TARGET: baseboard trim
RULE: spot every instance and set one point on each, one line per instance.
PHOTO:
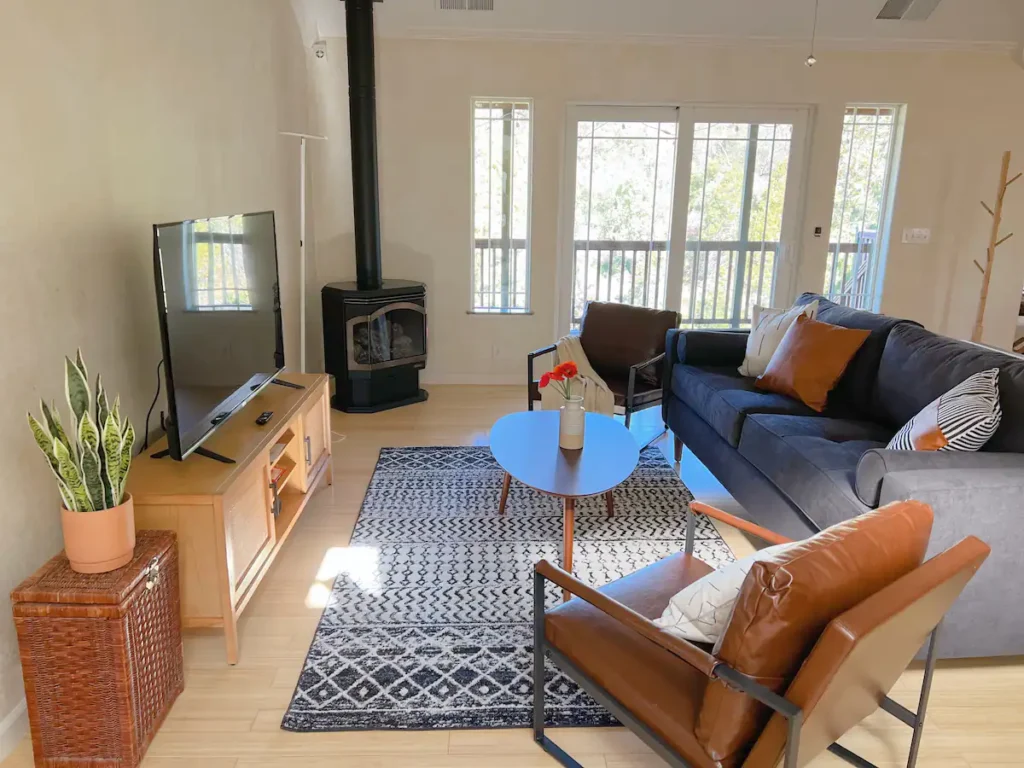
(13, 728)
(475, 379)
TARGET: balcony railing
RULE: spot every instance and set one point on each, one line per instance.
(849, 272)
(719, 288)
(636, 272)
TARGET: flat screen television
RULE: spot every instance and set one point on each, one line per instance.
(220, 319)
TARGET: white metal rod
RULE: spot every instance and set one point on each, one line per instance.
(302, 238)
(302, 254)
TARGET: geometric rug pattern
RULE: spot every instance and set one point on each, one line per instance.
(428, 625)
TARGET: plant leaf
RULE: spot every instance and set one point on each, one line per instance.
(88, 434)
(46, 445)
(43, 440)
(81, 364)
(72, 477)
(54, 427)
(127, 446)
(91, 476)
(101, 402)
(116, 410)
(66, 496)
(76, 388)
(112, 453)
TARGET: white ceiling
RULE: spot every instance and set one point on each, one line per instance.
(982, 24)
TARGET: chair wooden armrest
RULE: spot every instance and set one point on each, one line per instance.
(752, 528)
(682, 649)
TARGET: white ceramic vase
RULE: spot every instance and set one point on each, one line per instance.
(571, 424)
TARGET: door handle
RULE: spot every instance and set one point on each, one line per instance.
(309, 451)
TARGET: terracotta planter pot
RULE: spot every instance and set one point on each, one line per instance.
(97, 542)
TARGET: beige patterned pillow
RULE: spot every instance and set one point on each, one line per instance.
(701, 611)
(766, 332)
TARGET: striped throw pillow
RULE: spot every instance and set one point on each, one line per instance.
(963, 419)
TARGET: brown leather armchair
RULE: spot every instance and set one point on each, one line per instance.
(625, 345)
(818, 636)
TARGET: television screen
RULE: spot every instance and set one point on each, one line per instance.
(220, 319)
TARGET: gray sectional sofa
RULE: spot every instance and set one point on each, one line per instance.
(797, 471)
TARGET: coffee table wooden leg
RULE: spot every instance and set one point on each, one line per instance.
(504, 493)
(610, 503)
(568, 524)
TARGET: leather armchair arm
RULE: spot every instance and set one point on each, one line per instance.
(635, 369)
(697, 658)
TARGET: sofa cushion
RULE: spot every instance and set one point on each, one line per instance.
(810, 361)
(813, 461)
(788, 600)
(767, 329)
(618, 336)
(919, 366)
(723, 398)
(852, 395)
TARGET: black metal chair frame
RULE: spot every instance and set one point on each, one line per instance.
(630, 407)
(731, 677)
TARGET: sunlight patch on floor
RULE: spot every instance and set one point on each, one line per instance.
(359, 564)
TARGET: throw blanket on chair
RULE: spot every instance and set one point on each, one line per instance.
(597, 397)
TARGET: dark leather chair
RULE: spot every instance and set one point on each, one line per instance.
(818, 637)
(625, 345)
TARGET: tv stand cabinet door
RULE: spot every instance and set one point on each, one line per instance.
(248, 526)
(316, 434)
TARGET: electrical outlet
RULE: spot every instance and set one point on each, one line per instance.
(917, 235)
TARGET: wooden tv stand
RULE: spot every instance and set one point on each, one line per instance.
(223, 514)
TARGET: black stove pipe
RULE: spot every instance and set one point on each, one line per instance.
(362, 102)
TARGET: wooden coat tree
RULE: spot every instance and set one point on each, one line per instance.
(994, 241)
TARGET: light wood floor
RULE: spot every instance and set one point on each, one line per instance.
(230, 717)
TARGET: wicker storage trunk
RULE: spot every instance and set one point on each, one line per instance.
(101, 656)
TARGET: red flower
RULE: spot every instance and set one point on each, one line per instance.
(556, 375)
(568, 370)
(544, 380)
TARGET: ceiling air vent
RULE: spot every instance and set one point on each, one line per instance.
(465, 5)
(907, 10)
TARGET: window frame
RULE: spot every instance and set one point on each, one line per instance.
(531, 114)
(880, 253)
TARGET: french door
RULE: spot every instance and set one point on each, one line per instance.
(684, 208)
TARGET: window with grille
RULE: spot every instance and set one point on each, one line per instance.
(855, 267)
(501, 205)
(217, 278)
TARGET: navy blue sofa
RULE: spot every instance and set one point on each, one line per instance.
(797, 471)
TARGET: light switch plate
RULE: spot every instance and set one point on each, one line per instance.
(917, 235)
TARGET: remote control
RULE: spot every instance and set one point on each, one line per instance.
(264, 417)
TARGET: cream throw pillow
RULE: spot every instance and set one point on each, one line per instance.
(766, 332)
(701, 611)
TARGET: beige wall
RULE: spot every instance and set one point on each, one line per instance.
(963, 110)
(118, 114)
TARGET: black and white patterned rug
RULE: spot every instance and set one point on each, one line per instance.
(429, 622)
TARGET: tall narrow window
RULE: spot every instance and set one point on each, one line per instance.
(855, 267)
(501, 205)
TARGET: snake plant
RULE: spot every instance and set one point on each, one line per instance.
(91, 460)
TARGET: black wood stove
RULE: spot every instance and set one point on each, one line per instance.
(375, 330)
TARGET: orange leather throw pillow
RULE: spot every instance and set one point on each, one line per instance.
(787, 601)
(810, 360)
